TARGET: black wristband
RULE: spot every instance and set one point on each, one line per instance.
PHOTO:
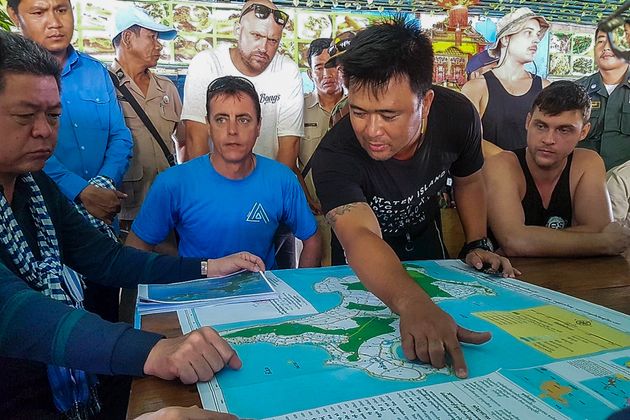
(483, 243)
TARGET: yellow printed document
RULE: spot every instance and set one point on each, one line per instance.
(557, 332)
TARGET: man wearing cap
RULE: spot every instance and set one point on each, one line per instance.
(318, 105)
(94, 145)
(609, 89)
(136, 38)
(276, 78)
(504, 95)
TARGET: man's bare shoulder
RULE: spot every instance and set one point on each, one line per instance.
(477, 86)
(504, 162)
(586, 159)
(476, 90)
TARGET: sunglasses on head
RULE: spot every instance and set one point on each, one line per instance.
(262, 12)
(231, 82)
(340, 44)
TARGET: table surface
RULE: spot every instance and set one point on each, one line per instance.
(604, 281)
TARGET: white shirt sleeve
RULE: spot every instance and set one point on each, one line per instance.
(203, 69)
(291, 112)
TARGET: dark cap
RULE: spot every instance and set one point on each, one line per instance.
(338, 46)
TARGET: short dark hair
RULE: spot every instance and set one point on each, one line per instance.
(394, 48)
(118, 38)
(317, 47)
(232, 86)
(562, 96)
(19, 55)
(13, 4)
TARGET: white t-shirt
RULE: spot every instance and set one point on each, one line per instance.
(279, 88)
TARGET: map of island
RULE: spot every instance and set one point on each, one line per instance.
(331, 349)
(231, 287)
(361, 332)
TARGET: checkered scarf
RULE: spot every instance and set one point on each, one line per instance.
(101, 182)
(74, 391)
(46, 274)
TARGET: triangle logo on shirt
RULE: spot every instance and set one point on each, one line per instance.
(257, 214)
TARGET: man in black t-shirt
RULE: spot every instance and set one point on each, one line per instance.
(378, 172)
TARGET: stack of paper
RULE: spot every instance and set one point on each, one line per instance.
(243, 286)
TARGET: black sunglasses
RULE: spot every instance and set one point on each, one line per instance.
(231, 82)
(262, 12)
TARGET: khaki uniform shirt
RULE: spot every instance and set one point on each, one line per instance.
(618, 183)
(163, 106)
(610, 120)
(316, 123)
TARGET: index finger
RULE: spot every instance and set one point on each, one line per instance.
(507, 269)
(252, 262)
(454, 349)
(227, 353)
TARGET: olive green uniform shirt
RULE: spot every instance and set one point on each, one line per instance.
(163, 106)
(610, 119)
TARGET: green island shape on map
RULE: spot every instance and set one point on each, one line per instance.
(368, 328)
(360, 332)
(418, 275)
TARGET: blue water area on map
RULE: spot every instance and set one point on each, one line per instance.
(280, 379)
(615, 388)
(241, 284)
(558, 393)
(319, 382)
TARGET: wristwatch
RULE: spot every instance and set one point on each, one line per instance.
(204, 268)
(483, 243)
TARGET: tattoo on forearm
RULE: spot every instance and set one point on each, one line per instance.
(331, 216)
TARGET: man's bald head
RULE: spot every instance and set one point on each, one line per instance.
(267, 3)
(258, 34)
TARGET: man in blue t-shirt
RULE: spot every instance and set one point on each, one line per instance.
(230, 200)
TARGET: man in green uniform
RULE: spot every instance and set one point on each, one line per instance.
(609, 90)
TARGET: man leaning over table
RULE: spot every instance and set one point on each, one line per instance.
(378, 173)
(549, 199)
(230, 199)
(278, 82)
(42, 326)
(94, 143)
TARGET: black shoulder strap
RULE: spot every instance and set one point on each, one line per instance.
(307, 167)
(144, 117)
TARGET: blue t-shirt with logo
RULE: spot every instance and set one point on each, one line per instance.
(216, 216)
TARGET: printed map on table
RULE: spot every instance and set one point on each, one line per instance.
(347, 348)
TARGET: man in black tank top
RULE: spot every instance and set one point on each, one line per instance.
(504, 95)
(549, 198)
